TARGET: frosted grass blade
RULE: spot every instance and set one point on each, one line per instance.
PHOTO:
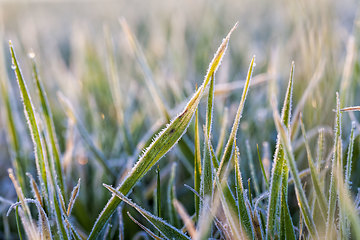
(262, 167)
(207, 167)
(279, 174)
(320, 197)
(170, 198)
(14, 135)
(348, 207)
(32, 123)
(334, 166)
(230, 143)
(163, 143)
(197, 164)
(229, 215)
(344, 221)
(289, 156)
(49, 122)
(148, 231)
(243, 211)
(74, 194)
(35, 189)
(252, 168)
(163, 227)
(158, 192)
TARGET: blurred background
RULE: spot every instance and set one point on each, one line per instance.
(83, 53)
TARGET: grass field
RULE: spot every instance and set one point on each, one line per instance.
(179, 119)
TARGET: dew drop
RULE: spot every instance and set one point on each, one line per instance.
(31, 55)
(13, 67)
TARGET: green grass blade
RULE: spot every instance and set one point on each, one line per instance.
(229, 214)
(350, 157)
(173, 218)
(57, 202)
(289, 156)
(49, 122)
(210, 107)
(252, 168)
(280, 170)
(206, 187)
(158, 192)
(332, 188)
(148, 231)
(230, 143)
(214, 159)
(243, 211)
(197, 164)
(13, 139)
(30, 115)
(207, 167)
(345, 227)
(348, 208)
(163, 143)
(262, 167)
(14, 136)
(320, 197)
(286, 225)
(73, 196)
(163, 227)
(319, 157)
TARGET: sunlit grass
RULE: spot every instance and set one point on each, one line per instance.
(161, 157)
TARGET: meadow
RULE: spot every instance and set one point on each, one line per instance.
(179, 119)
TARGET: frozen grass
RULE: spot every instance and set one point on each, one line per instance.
(228, 165)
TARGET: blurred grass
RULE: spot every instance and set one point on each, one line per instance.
(178, 39)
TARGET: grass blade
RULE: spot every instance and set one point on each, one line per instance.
(197, 164)
(345, 227)
(336, 155)
(163, 143)
(14, 136)
(252, 168)
(320, 197)
(148, 231)
(163, 227)
(229, 214)
(302, 200)
(170, 198)
(243, 212)
(350, 157)
(74, 195)
(207, 167)
(280, 170)
(262, 167)
(29, 111)
(230, 143)
(49, 122)
(158, 192)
